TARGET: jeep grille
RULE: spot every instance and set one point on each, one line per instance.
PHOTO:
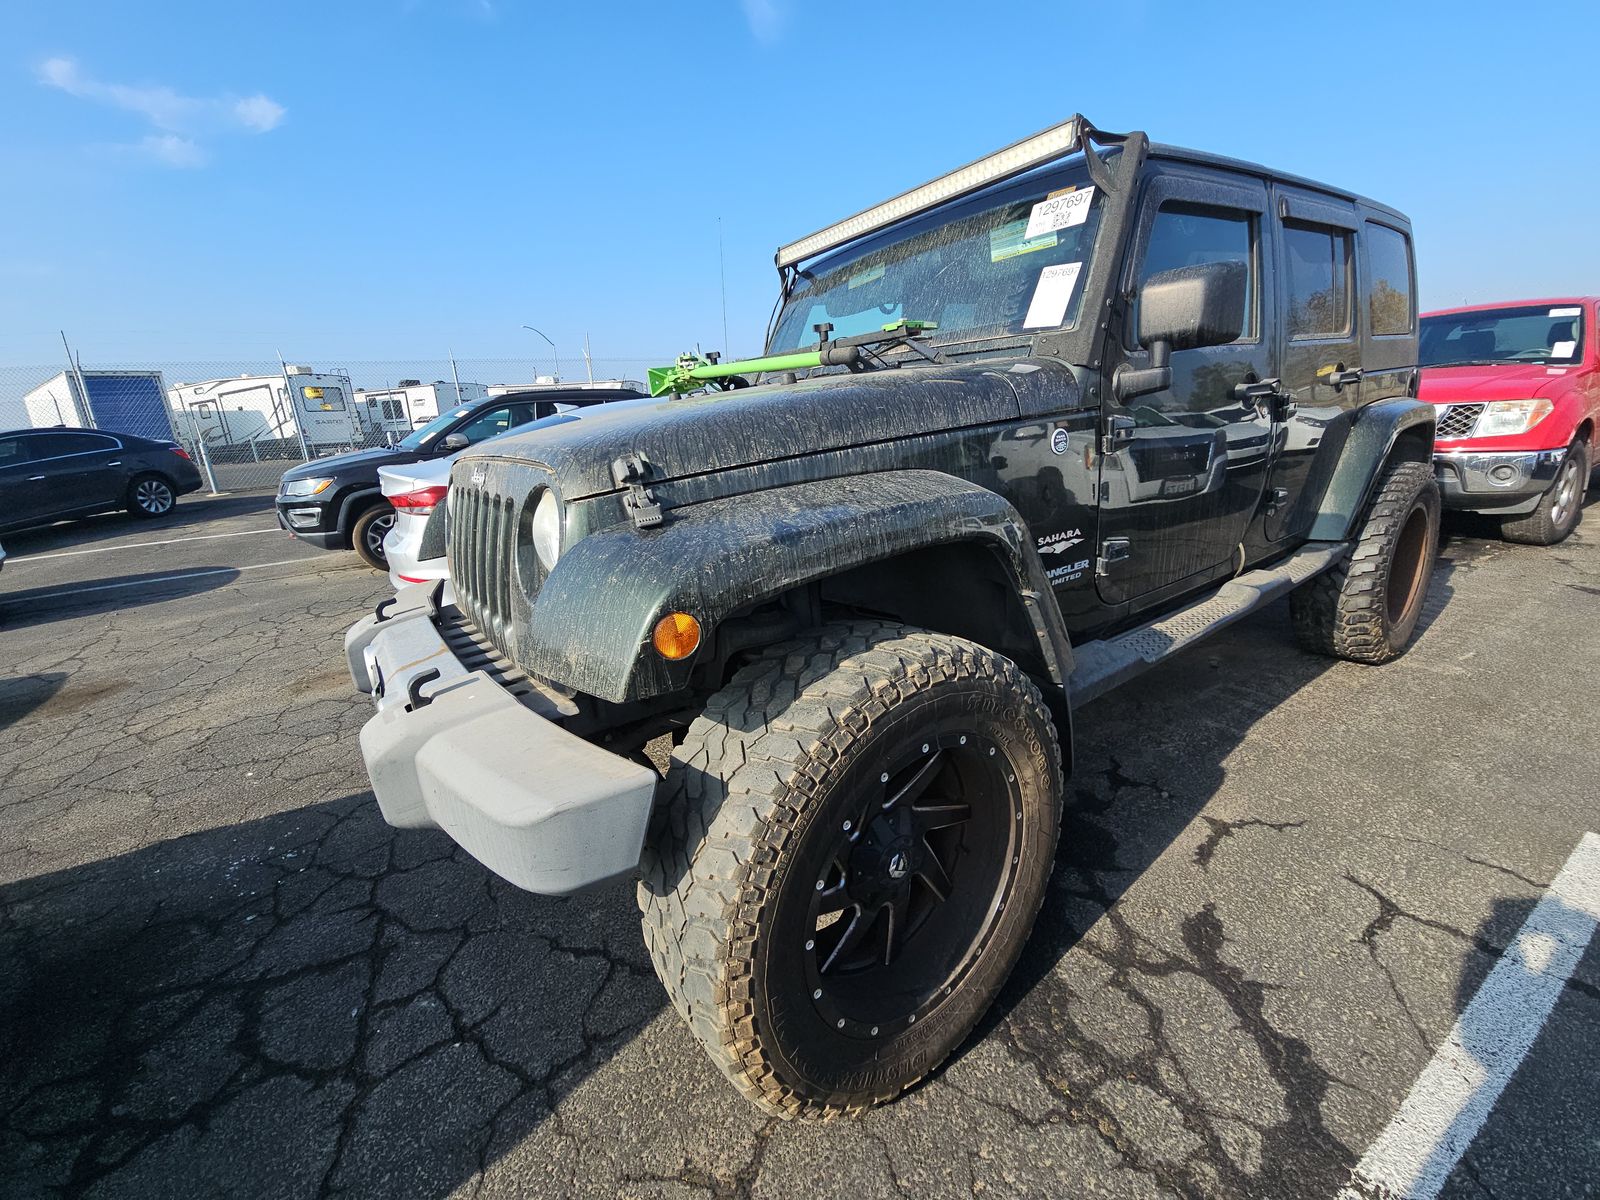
(1459, 420)
(484, 557)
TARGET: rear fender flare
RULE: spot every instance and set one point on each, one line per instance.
(591, 625)
(1374, 439)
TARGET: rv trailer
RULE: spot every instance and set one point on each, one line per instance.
(254, 417)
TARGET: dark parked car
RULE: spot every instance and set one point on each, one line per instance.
(335, 502)
(52, 474)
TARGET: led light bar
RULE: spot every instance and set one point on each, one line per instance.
(1045, 146)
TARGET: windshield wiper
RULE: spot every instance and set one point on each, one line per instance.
(1468, 362)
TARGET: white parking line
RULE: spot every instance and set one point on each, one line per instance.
(199, 537)
(126, 583)
(1414, 1155)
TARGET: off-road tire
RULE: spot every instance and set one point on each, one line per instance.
(366, 535)
(151, 496)
(1365, 608)
(756, 786)
(1560, 508)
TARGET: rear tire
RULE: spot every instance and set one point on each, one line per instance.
(367, 534)
(854, 843)
(1366, 608)
(1560, 508)
(151, 496)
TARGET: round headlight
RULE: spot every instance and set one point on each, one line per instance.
(547, 530)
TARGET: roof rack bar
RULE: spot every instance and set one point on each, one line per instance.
(1045, 146)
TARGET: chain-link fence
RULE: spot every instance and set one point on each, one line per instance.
(246, 422)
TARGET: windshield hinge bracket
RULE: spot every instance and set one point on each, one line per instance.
(631, 471)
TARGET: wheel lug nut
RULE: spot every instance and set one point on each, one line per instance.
(884, 778)
(841, 1022)
(874, 1031)
(817, 995)
(924, 747)
(913, 1019)
(847, 826)
(811, 944)
(991, 751)
(963, 739)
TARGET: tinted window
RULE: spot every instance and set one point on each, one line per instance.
(15, 450)
(1389, 252)
(53, 445)
(486, 425)
(1185, 235)
(1319, 280)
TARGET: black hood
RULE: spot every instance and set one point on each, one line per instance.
(718, 431)
(359, 461)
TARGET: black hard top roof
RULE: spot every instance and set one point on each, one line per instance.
(1223, 162)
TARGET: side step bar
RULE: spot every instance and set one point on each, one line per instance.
(1103, 665)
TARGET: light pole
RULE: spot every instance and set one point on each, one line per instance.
(553, 349)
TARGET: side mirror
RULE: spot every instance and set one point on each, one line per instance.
(453, 442)
(1184, 309)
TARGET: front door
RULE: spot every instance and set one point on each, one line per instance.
(1182, 471)
(22, 498)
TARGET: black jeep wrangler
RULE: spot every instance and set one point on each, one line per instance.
(1019, 434)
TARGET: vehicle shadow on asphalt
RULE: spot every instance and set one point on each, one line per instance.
(1114, 824)
(1550, 1102)
(59, 601)
(85, 532)
(23, 694)
(313, 999)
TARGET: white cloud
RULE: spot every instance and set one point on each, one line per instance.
(171, 150)
(180, 120)
(765, 19)
(258, 112)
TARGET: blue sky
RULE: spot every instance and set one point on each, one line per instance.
(361, 180)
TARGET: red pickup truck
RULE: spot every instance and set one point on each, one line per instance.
(1517, 388)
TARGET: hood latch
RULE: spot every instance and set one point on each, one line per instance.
(630, 472)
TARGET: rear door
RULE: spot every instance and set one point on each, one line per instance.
(1178, 495)
(1322, 349)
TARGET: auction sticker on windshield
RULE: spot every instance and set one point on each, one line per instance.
(1051, 295)
(1008, 241)
(1062, 210)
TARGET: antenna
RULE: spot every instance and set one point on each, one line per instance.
(722, 275)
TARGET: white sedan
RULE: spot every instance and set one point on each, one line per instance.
(415, 544)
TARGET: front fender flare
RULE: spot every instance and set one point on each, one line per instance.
(593, 617)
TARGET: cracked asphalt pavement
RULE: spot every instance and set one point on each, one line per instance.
(1280, 882)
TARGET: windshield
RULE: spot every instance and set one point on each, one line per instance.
(1550, 334)
(1007, 261)
(419, 439)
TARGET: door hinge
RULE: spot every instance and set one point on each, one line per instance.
(1119, 432)
(630, 472)
(1112, 550)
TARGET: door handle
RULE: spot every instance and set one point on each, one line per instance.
(1338, 377)
(35, 478)
(115, 463)
(1279, 403)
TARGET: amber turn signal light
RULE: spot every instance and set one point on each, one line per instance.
(676, 636)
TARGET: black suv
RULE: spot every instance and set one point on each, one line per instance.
(52, 474)
(1018, 435)
(335, 503)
